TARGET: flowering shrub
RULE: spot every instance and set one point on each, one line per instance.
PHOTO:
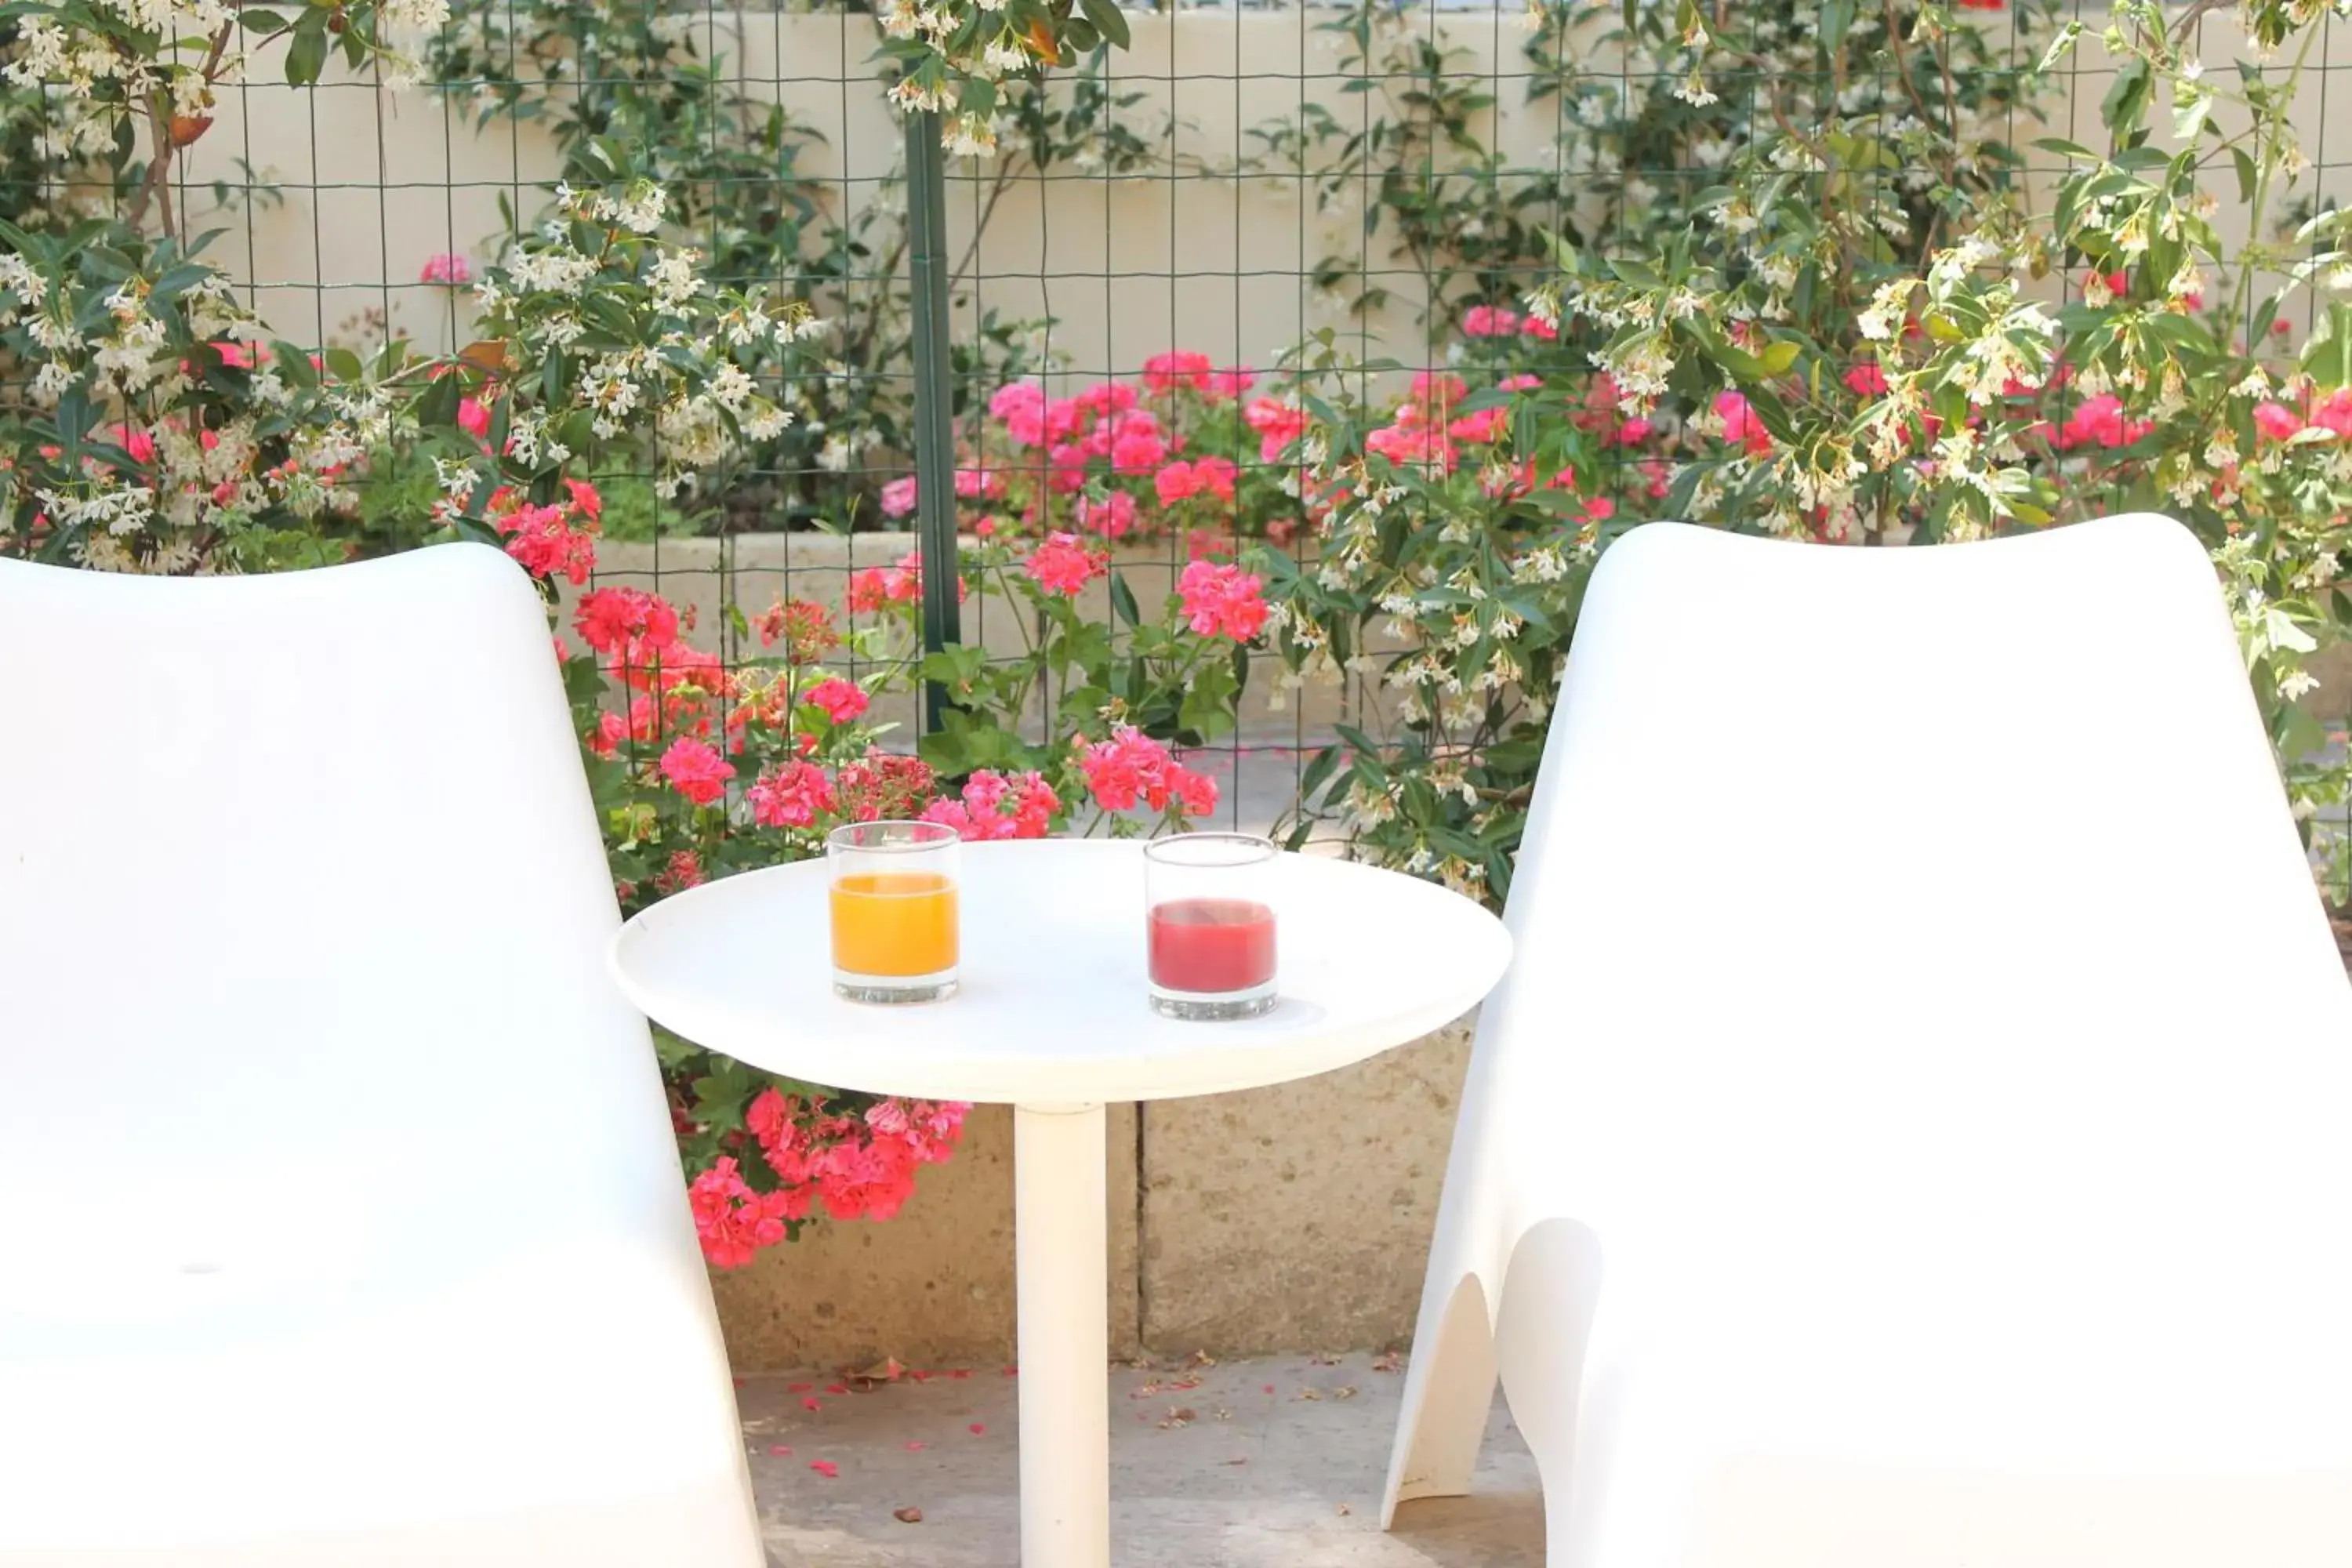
(1642, 105)
(619, 74)
(1776, 364)
(702, 768)
(1186, 448)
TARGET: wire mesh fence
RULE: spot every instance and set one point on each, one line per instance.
(1179, 246)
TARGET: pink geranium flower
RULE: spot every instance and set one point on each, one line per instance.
(1131, 767)
(731, 1220)
(1229, 385)
(1221, 600)
(447, 268)
(898, 497)
(1113, 517)
(1489, 322)
(1278, 424)
(1865, 379)
(1177, 367)
(839, 700)
(1740, 424)
(696, 770)
(2276, 421)
(1062, 564)
(793, 795)
(993, 807)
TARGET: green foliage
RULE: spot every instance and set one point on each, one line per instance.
(1812, 349)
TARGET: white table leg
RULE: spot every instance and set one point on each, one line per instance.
(1060, 1238)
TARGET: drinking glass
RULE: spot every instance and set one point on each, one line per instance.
(1209, 900)
(895, 918)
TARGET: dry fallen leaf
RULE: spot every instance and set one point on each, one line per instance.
(1388, 1361)
(1237, 1461)
(1345, 1390)
(887, 1370)
(1179, 1416)
(1224, 1414)
(1202, 1358)
(908, 1515)
(1320, 1359)
(1345, 1510)
(1307, 1394)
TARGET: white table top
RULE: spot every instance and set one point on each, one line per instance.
(1052, 1007)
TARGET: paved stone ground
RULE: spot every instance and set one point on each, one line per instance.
(1273, 1463)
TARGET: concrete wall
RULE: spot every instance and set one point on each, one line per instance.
(1296, 1217)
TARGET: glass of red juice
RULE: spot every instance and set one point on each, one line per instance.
(1210, 925)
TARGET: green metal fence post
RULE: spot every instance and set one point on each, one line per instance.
(935, 505)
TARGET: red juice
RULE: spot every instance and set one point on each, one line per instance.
(1208, 946)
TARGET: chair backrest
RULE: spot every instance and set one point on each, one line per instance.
(1875, 891)
(302, 912)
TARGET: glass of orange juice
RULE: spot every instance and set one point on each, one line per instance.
(895, 919)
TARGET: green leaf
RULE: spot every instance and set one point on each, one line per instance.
(1327, 762)
(2127, 100)
(1109, 20)
(262, 22)
(438, 407)
(2065, 149)
(1777, 359)
(2246, 175)
(1837, 16)
(344, 364)
(294, 364)
(308, 53)
(1122, 600)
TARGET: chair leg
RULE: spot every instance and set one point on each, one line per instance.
(1449, 1387)
(1542, 1329)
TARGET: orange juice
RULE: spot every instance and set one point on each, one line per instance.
(894, 923)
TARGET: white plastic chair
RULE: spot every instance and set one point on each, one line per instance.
(1917, 1129)
(340, 1221)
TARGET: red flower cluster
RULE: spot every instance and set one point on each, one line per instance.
(2099, 421)
(1182, 368)
(733, 1221)
(804, 627)
(857, 1166)
(791, 795)
(885, 786)
(1223, 600)
(1131, 766)
(1064, 565)
(696, 770)
(1181, 479)
(1501, 321)
(994, 807)
(1277, 425)
(841, 702)
(553, 538)
(876, 586)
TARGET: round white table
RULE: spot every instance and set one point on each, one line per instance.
(1052, 1018)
